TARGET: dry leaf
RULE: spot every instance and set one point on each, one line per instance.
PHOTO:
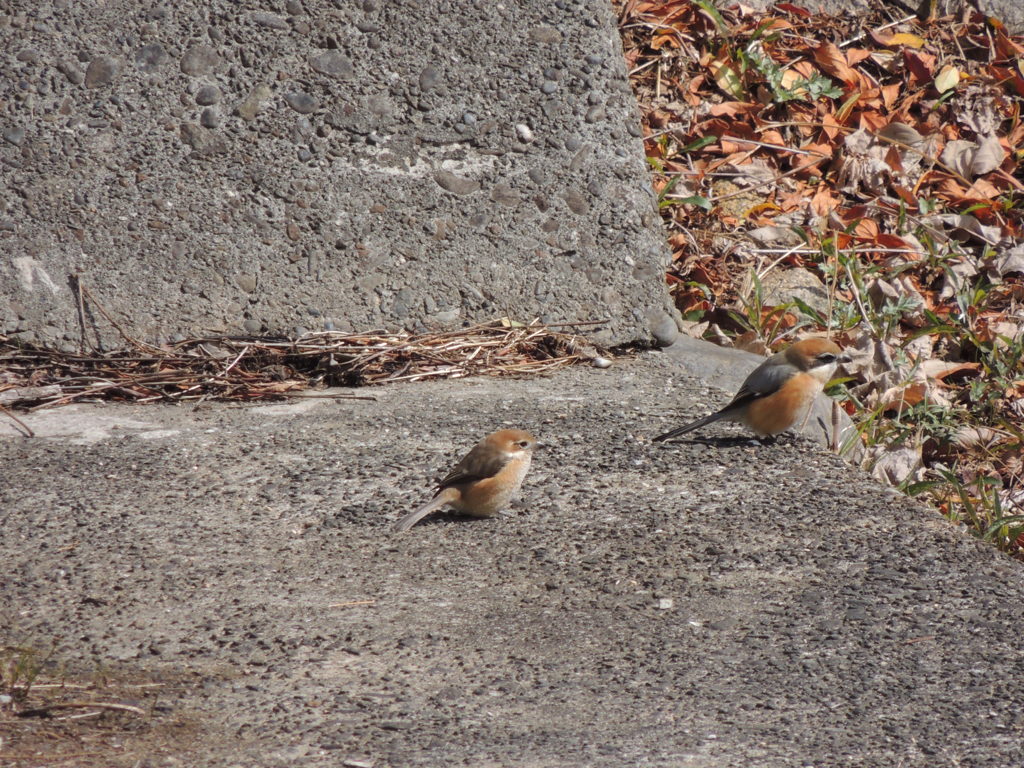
(1004, 332)
(920, 64)
(863, 166)
(831, 59)
(882, 292)
(988, 156)
(886, 60)
(897, 463)
(726, 77)
(958, 156)
(970, 159)
(1008, 261)
(870, 358)
(963, 227)
(733, 108)
(939, 369)
(750, 342)
(901, 134)
(663, 40)
(919, 350)
(947, 78)
(823, 202)
(790, 77)
(979, 437)
(982, 190)
(866, 229)
(977, 110)
(907, 39)
(957, 272)
(775, 235)
(694, 329)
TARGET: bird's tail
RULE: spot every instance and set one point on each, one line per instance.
(690, 427)
(445, 496)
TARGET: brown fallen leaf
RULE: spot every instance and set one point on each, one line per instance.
(833, 61)
(939, 369)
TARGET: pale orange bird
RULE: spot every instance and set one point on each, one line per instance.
(779, 392)
(486, 479)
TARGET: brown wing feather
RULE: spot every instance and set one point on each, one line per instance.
(478, 464)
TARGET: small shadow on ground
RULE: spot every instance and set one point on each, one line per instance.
(734, 442)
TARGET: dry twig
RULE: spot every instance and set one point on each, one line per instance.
(33, 377)
(44, 710)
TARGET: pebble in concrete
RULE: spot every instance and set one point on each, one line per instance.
(199, 60)
(101, 71)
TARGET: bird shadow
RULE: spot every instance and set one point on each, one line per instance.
(451, 518)
(731, 441)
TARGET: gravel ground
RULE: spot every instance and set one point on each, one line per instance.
(715, 603)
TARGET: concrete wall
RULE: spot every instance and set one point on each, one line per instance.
(255, 167)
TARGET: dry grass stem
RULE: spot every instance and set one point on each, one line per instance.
(32, 377)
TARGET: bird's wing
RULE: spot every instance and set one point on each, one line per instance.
(763, 380)
(478, 464)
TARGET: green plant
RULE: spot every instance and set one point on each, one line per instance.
(765, 323)
(977, 505)
(754, 57)
(19, 668)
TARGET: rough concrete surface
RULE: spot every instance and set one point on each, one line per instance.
(1010, 12)
(253, 167)
(279, 166)
(692, 604)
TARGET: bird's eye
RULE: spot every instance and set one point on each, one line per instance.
(523, 443)
(827, 357)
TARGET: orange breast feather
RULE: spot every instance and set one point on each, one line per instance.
(777, 412)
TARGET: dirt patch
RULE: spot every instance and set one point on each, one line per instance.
(107, 718)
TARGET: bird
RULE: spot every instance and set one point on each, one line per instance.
(779, 392)
(486, 479)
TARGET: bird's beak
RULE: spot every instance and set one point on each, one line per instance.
(844, 358)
